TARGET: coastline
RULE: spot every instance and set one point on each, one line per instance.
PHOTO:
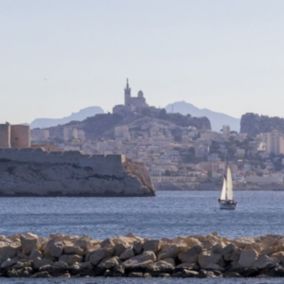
(28, 255)
(218, 189)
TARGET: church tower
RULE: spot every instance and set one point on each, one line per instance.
(127, 94)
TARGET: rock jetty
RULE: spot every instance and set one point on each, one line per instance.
(28, 255)
(29, 172)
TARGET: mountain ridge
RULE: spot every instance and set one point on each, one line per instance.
(217, 119)
(74, 116)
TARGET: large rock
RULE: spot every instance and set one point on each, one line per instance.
(99, 255)
(138, 247)
(8, 263)
(229, 252)
(121, 244)
(278, 257)
(162, 266)
(247, 258)
(84, 243)
(71, 248)
(8, 250)
(169, 252)
(39, 262)
(108, 243)
(29, 242)
(192, 241)
(82, 269)
(209, 261)
(70, 259)
(152, 245)
(56, 268)
(263, 262)
(142, 261)
(210, 241)
(110, 263)
(128, 253)
(54, 248)
(191, 255)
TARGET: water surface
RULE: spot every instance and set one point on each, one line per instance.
(169, 214)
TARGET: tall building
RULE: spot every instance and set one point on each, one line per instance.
(127, 94)
(274, 142)
(5, 135)
(15, 136)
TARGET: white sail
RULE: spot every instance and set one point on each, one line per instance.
(229, 195)
(223, 192)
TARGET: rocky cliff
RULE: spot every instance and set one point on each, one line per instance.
(253, 124)
(37, 173)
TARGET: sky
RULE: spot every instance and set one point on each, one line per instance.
(59, 56)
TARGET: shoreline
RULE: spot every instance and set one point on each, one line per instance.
(218, 190)
(133, 195)
(32, 256)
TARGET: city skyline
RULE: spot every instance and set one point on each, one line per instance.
(62, 56)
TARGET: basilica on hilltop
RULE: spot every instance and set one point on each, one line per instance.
(131, 104)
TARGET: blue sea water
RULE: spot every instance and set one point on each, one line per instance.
(169, 214)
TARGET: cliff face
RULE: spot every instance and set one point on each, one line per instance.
(36, 173)
(253, 124)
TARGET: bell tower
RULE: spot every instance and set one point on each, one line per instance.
(127, 93)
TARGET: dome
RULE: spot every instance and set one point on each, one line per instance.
(140, 94)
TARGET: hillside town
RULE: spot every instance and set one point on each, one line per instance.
(180, 152)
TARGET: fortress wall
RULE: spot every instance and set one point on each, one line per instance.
(104, 164)
(20, 136)
(23, 155)
(101, 164)
(5, 132)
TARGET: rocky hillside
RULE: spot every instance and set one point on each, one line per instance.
(103, 125)
(254, 124)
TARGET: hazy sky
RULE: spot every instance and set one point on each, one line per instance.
(58, 56)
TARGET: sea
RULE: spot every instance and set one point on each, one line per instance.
(167, 215)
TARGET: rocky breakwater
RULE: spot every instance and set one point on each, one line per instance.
(30, 172)
(28, 255)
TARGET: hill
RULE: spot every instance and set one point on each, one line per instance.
(253, 124)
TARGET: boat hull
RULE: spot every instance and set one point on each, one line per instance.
(228, 205)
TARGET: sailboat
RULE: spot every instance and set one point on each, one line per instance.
(226, 200)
